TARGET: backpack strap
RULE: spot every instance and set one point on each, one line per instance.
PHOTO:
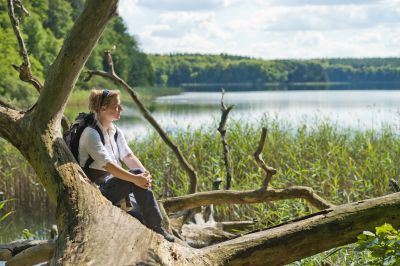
(115, 138)
(96, 175)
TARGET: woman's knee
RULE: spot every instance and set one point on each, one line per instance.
(136, 171)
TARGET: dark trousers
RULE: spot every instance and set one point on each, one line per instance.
(115, 189)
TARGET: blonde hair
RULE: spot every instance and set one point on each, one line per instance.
(99, 98)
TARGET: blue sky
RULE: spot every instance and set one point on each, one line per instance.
(268, 29)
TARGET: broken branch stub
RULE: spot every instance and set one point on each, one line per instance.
(269, 171)
(221, 128)
(25, 72)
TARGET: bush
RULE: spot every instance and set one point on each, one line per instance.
(383, 247)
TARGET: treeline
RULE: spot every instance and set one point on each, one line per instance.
(183, 69)
(44, 30)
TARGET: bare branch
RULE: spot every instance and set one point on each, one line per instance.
(25, 72)
(20, 4)
(269, 171)
(308, 236)
(147, 115)
(237, 225)
(224, 116)
(244, 197)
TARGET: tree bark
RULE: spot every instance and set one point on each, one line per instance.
(308, 236)
(243, 197)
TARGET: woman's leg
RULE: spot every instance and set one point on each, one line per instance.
(135, 212)
(115, 189)
(147, 203)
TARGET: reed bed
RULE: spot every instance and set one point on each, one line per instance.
(340, 164)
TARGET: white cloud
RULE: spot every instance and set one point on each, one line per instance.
(317, 18)
(187, 5)
(267, 28)
(321, 2)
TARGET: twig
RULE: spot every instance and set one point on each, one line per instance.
(182, 160)
(25, 72)
(269, 171)
(224, 116)
(394, 185)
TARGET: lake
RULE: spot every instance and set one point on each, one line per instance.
(357, 109)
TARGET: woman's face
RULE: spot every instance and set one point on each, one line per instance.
(113, 110)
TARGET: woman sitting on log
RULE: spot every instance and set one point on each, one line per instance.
(102, 147)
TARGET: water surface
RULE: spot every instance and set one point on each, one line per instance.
(357, 109)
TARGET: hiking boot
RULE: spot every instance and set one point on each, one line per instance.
(167, 236)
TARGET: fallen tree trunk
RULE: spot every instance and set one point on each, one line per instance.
(129, 242)
(308, 236)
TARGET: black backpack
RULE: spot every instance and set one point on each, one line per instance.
(73, 134)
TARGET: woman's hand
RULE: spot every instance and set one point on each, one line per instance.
(143, 180)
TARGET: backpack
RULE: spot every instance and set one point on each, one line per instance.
(73, 134)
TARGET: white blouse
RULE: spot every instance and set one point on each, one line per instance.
(90, 144)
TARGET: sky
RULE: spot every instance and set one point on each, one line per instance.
(267, 29)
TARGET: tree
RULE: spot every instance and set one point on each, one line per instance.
(87, 236)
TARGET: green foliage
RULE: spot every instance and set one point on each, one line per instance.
(59, 17)
(44, 31)
(2, 205)
(383, 247)
(26, 234)
(178, 69)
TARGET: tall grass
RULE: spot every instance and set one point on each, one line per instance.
(340, 164)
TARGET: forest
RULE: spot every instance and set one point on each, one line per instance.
(44, 31)
(180, 69)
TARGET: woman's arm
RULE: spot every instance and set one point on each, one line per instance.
(133, 162)
(142, 180)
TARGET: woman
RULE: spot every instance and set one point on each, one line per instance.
(102, 146)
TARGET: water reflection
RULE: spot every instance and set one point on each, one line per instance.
(357, 109)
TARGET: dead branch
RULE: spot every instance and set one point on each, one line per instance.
(244, 197)
(25, 72)
(145, 112)
(20, 4)
(237, 225)
(28, 252)
(269, 171)
(203, 235)
(7, 251)
(224, 116)
(394, 185)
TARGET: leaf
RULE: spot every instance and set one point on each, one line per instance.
(5, 216)
(385, 229)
